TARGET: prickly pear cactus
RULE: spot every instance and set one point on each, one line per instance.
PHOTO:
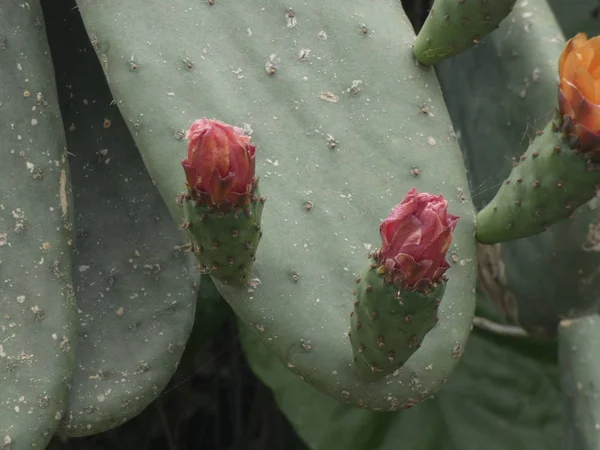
(515, 70)
(37, 305)
(135, 287)
(345, 123)
(454, 26)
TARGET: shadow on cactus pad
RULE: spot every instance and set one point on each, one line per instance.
(136, 291)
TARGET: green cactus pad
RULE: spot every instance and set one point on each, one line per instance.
(224, 242)
(37, 305)
(578, 348)
(388, 325)
(135, 289)
(453, 26)
(345, 124)
(547, 184)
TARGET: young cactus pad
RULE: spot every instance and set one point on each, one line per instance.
(37, 305)
(546, 185)
(345, 120)
(453, 26)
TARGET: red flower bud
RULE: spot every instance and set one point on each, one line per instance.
(220, 162)
(415, 238)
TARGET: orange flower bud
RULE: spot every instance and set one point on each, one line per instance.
(219, 167)
(579, 92)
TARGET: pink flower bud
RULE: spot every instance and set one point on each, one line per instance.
(220, 162)
(415, 238)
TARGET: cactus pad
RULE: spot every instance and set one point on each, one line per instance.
(343, 129)
(135, 290)
(37, 305)
(546, 185)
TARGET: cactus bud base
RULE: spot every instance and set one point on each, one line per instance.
(224, 239)
(389, 323)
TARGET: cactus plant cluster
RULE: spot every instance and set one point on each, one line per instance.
(340, 134)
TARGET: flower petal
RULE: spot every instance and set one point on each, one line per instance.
(585, 84)
(411, 271)
(573, 44)
(408, 232)
(190, 172)
(432, 226)
(400, 212)
(416, 237)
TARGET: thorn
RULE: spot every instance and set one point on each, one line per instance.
(374, 368)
